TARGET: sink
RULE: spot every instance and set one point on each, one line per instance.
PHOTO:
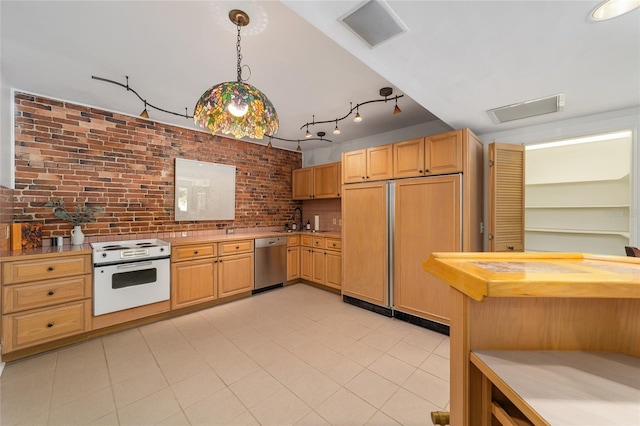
(286, 231)
(314, 231)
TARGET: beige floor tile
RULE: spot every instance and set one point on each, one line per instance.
(288, 368)
(314, 353)
(427, 340)
(280, 408)
(117, 354)
(244, 419)
(150, 410)
(42, 365)
(294, 340)
(443, 348)
(361, 353)
(336, 341)
(138, 387)
(223, 406)
(133, 366)
(171, 353)
(181, 369)
(409, 409)
(381, 341)
(178, 419)
(429, 387)
(314, 388)
(340, 368)
(410, 354)
(392, 369)
(24, 399)
(110, 419)
(267, 353)
(396, 328)
(381, 419)
(255, 387)
(89, 408)
(197, 387)
(345, 408)
(371, 387)
(437, 365)
(236, 368)
(70, 387)
(312, 419)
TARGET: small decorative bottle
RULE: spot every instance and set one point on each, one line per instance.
(308, 226)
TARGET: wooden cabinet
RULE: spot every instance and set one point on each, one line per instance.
(415, 292)
(428, 156)
(321, 260)
(293, 257)
(45, 299)
(205, 272)
(368, 164)
(316, 182)
(306, 263)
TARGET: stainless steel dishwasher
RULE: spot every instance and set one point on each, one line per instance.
(270, 263)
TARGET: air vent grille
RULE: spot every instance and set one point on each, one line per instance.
(374, 22)
(527, 109)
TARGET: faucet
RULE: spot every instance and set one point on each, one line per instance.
(297, 209)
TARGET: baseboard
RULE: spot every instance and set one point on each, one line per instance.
(422, 322)
(382, 310)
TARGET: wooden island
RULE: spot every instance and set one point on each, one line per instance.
(543, 338)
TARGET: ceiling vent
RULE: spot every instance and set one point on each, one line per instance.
(374, 22)
(527, 109)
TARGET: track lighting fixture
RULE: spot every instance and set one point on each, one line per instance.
(144, 113)
(299, 149)
(385, 91)
(308, 134)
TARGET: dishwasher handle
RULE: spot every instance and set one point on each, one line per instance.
(270, 242)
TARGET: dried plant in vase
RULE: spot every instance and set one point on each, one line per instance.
(81, 214)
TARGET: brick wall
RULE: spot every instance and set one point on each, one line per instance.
(126, 165)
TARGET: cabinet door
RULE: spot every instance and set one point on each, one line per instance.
(326, 181)
(364, 242)
(302, 184)
(380, 162)
(333, 269)
(306, 264)
(408, 158)
(192, 282)
(354, 166)
(443, 153)
(235, 274)
(506, 197)
(427, 219)
(317, 258)
(293, 263)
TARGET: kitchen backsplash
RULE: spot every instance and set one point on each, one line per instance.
(126, 166)
(328, 210)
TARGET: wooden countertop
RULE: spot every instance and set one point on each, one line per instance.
(67, 250)
(480, 275)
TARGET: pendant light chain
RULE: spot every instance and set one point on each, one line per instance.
(238, 49)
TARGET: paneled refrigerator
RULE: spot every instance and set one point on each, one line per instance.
(389, 229)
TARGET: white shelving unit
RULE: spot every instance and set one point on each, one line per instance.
(578, 198)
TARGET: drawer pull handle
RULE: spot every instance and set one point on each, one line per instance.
(237, 247)
(50, 325)
(51, 293)
(195, 252)
(50, 268)
(334, 244)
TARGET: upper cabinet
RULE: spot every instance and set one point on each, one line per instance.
(368, 164)
(317, 182)
(433, 155)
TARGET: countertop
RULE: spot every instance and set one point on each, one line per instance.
(67, 250)
(480, 275)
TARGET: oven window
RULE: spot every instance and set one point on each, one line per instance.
(131, 278)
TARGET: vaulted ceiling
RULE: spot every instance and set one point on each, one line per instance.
(457, 59)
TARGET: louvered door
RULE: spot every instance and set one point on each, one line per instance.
(506, 197)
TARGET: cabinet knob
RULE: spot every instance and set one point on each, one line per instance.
(420, 171)
(363, 178)
(195, 252)
(50, 325)
(426, 170)
(51, 293)
(237, 247)
(334, 244)
(50, 268)
(510, 248)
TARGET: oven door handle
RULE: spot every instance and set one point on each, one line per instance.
(134, 265)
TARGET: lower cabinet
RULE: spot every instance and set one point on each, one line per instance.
(205, 272)
(321, 261)
(293, 263)
(45, 300)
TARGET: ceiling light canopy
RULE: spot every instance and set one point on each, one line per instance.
(610, 9)
(236, 107)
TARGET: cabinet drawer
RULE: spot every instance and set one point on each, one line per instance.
(45, 293)
(293, 240)
(318, 242)
(306, 240)
(193, 252)
(233, 247)
(333, 244)
(35, 327)
(42, 269)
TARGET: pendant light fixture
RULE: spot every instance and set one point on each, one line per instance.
(336, 131)
(236, 107)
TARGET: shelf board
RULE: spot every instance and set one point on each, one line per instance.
(624, 234)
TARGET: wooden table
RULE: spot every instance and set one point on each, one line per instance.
(506, 304)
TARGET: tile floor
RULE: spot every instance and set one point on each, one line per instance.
(296, 355)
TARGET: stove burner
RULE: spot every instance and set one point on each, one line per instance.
(113, 247)
(146, 245)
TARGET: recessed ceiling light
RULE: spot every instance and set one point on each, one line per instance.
(613, 8)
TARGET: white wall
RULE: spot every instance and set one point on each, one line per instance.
(6, 135)
(628, 119)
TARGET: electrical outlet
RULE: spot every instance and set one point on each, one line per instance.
(229, 231)
(340, 222)
(184, 234)
(334, 220)
(7, 233)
